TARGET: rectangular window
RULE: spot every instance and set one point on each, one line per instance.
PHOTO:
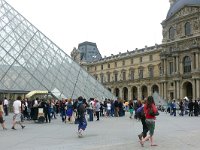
(108, 65)
(131, 60)
(141, 74)
(101, 67)
(132, 75)
(150, 72)
(170, 67)
(109, 77)
(124, 76)
(116, 77)
(140, 59)
(161, 71)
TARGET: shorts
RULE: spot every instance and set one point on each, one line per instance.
(17, 117)
(151, 126)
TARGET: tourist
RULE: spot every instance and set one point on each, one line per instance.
(196, 108)
(108, 108)
(149, 110)
(130, 105)
(17, 113)
(191, 107)
(5, 106)
(141, 115)
(69, 111)
(97, 109)
(2, 122)
(82, 123)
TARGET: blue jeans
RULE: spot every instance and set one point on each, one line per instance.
(82, 123)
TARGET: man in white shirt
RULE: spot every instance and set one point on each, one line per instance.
(5, 106)
(17, 113)
(97, 109)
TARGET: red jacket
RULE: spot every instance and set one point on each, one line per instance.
(146, 111)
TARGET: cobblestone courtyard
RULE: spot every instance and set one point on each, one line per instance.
(106, 134)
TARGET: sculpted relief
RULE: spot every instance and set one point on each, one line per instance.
(196, 24)
(178, 29)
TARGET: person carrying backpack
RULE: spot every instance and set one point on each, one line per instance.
(140, 114)
(150, 111)
(82, 123)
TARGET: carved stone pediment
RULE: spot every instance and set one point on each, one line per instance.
(187, 10)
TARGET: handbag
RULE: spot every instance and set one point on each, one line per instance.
(152, 113)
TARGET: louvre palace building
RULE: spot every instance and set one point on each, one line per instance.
(172, 69)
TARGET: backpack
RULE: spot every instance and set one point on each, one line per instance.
(140, 112)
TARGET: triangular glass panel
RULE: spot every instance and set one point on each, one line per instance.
(31, 61)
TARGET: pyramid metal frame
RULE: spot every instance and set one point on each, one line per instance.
(31, 61)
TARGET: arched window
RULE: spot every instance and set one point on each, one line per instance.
(187, 64)
(171, 33)
(187, 29)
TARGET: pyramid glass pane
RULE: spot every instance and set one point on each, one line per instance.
(31, 61)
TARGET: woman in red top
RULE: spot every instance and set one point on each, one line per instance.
(150, 119)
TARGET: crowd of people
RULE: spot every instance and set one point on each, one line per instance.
(69, 110)
(184, 107)
(75, 111)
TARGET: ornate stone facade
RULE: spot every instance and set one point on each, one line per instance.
(171, 68)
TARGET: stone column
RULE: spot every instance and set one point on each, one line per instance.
(165, 67)
(197, 61)
(178, 89)
(177, 64)
(121, 95)
(139, 92)
(161, 89)
(174, 65)
(193, 62)
(129, 93)
(198, 88)
(194, 89)
(175, 90)
(164, 89)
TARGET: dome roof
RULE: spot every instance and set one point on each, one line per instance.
(180, 4)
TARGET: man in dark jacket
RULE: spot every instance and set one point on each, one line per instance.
(140, 114)
(81, 116)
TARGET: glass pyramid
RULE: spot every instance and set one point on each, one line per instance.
(31, 61)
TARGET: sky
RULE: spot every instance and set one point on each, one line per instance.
(114, 25)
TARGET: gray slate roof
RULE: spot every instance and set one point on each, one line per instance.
(180, 4)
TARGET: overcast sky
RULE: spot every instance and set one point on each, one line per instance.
(114, 25)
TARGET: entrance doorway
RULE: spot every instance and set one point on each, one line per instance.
(144, 92)
(125, 93)
(188, 90)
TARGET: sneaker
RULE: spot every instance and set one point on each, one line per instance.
(5, 129)
(13, 128)
(23, 127)
(80, 133)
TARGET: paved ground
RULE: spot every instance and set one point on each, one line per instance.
(108, 134)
